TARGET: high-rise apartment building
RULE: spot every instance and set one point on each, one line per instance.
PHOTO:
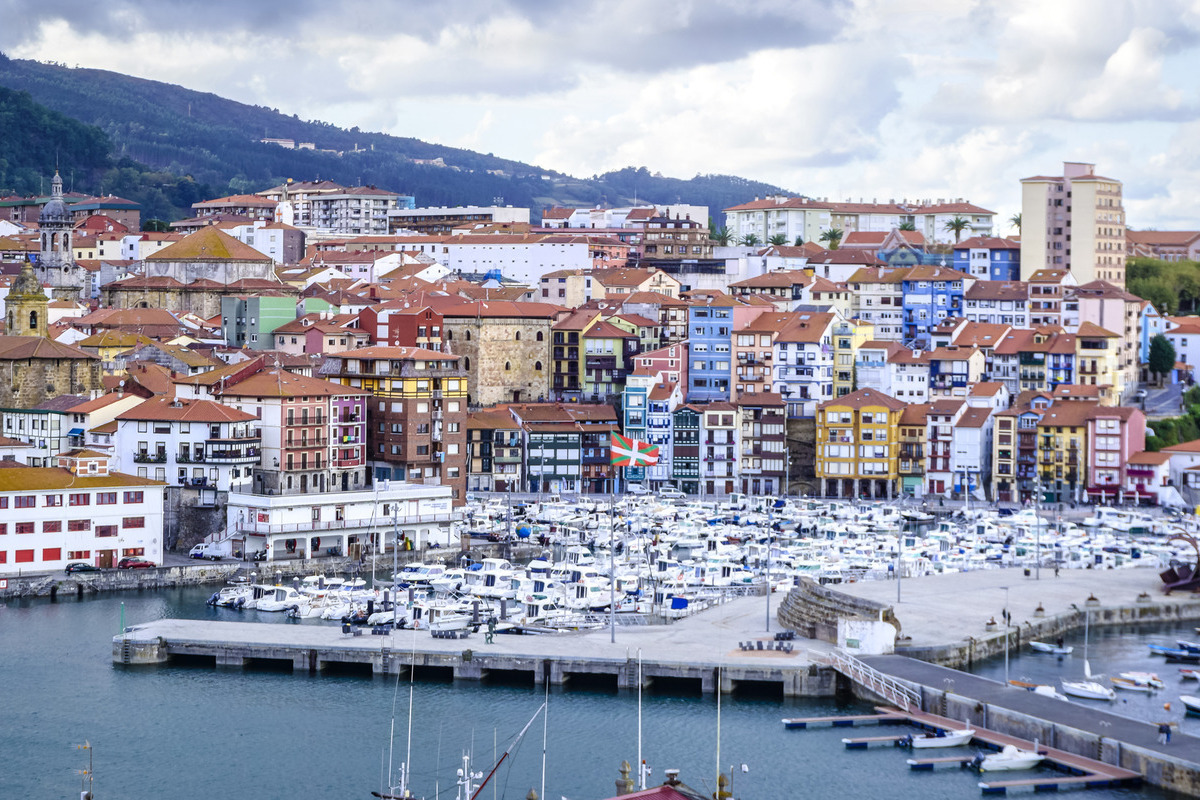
(1074, 222)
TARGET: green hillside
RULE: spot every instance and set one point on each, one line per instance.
(215, 141)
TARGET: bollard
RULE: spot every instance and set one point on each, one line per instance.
(503, 608)
(474, 612)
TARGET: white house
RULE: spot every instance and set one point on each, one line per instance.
(803, 362)
(355, 523)
(77, 510)
(190, 442)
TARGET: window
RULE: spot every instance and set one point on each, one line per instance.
(23, 556)
(80, 499)
(134, 497)
(105, 530)
(25, 501)
(106, 498)
(3, 528)
(79, 525)
(78, 555)
(24, 527)
(133, 522)
(53, 500)
(52, 526)
(52, 554)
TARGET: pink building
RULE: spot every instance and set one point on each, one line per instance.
(671, 361)
(1147, 475)
(1114, 434)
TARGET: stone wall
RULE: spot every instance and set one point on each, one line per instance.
(493, 344)
(813, 610)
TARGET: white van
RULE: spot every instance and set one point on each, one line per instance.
(671, 493)
(210, 551)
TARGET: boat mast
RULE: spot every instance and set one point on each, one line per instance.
(506, 754)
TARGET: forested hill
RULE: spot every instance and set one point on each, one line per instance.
(216, 142)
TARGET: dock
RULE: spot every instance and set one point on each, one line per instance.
(700, 653)
(1070, 769)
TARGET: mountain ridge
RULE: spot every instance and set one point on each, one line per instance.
(215, 141)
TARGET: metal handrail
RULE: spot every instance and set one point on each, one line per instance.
(883, 685)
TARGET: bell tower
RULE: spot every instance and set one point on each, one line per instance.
(26, 306)
(56, 265)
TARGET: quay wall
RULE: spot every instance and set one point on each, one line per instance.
(1157, 769)
(812, 610)
(965, 653)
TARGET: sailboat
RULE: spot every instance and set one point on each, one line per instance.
(1087, 689)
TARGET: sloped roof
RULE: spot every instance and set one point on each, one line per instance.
(864, 398)
(208, 244)
(170, 409)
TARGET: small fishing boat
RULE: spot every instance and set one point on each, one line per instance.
(1144, 678)
(1056, 649)
(954, 738)
(1189, 674)
(1175, 655)
(1191, 647)
(1008, 759)
(1191, 703)
(1131, 686)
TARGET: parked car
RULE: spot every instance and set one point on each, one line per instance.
(671, 493)
(636, 488)
(80, 566)
(135, 562)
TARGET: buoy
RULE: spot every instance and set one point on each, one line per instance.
(1166, 706)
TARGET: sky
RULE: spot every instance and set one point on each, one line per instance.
(840, 99)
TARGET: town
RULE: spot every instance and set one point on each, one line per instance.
(316, 356)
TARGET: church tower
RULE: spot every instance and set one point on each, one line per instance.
(26, 306)
(56, 265)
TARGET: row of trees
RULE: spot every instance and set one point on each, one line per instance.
(1172, 287)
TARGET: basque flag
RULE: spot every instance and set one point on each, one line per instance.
(628, 452)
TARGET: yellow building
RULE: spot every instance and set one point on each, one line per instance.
(1098, 358)
(858, 445)
(848, 336)
(1062, 450)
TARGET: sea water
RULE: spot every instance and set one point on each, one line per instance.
(200, 732)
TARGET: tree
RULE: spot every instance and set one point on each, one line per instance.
(1015, 221)
(799, 240)
(957, 225)
(906, 226)
(832, 237)
(778, 239)
(1162, 356)
(750, 240)
(722, 236)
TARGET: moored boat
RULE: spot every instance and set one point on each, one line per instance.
(949, 738)
(1131, 686)
(1010, 758)
(1191, 703)
(1056, 649)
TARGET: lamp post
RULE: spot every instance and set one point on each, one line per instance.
(1037, 528)
(1005, 615)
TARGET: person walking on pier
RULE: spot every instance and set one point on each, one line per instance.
(1164, 733)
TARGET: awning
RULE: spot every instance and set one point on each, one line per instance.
(75, 432)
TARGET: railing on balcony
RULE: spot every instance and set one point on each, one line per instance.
(150, 458)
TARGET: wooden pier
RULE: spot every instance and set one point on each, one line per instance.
(1070, 769)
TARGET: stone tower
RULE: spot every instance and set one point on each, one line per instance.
(56, 265)
(26, 305)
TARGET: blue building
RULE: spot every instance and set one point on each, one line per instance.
(710, 328)
(988, 258)
(1153, 323)
(930, 295)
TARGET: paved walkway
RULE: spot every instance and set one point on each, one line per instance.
(945, 609)
(1085, 716)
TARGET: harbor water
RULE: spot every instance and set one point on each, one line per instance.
(195, 730)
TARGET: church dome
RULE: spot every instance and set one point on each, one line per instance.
(26, 284)
(56, 209)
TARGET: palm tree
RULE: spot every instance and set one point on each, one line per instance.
(722, 236)
(832, 237)
(1015, 221)
(749, 240)
(778, 239)
(907, 226)
(958, 225)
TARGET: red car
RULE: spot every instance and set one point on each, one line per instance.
(135, 562)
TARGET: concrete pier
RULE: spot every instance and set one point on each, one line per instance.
(700, 651)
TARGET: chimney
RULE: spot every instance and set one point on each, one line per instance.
(672, 776)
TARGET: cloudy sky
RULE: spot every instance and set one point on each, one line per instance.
(833, 98)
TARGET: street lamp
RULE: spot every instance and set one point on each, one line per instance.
(1005, 615)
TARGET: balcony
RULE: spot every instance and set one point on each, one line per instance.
(233, 455)
(346, 463)
(150, 458)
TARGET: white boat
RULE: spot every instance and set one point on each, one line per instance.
(1191, 703)
(1010, 758)
(1131, 686)
(1044, 689)
(1088, 690)
(1144, 678)
(1189, 674)
(954, 738)
(1056, 649)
